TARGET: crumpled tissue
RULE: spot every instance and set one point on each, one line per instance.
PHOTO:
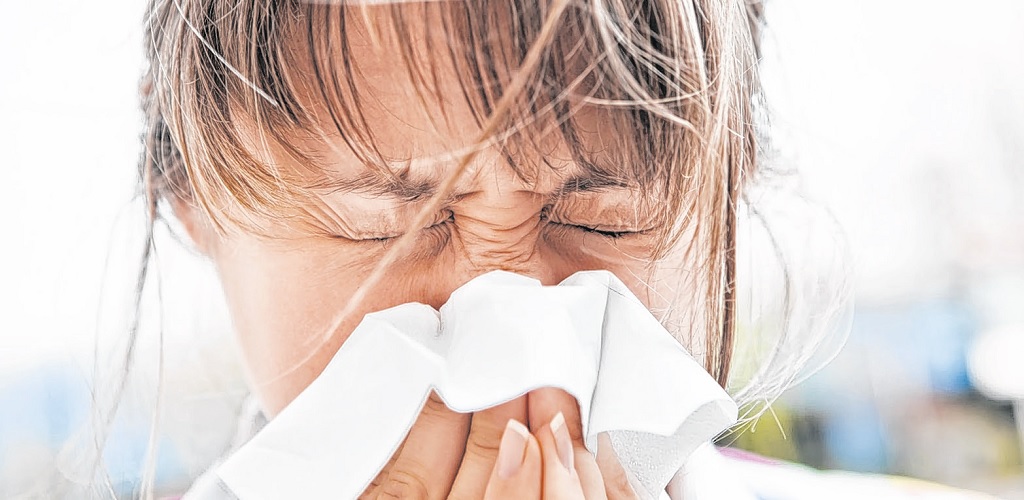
(498, 337)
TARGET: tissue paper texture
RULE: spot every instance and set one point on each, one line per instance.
(498, 337)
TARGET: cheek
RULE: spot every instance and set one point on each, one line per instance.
(283, 300)
(657, 285)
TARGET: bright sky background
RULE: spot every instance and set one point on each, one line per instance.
(68, 129)
(900, 113)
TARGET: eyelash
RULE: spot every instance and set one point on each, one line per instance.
(607, 234)
(384, 240)
(614, 235)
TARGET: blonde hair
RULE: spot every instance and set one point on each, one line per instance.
(678, 78)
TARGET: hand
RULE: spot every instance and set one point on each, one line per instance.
(536, 467)
(458, 456)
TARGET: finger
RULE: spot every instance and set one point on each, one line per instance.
(561, 481)
(371, 491)
(544, 406)
(517, 471)
(616, 482)
(485, 434)
(547, 402)
(428, 461)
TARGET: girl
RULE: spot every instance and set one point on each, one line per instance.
(338, 158)
(355, 157)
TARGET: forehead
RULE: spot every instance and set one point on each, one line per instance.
(395, 88)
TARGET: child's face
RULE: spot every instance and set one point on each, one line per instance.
(284, 292)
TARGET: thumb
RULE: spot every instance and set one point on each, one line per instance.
(517, 472)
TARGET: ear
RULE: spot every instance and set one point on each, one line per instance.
(197, 226)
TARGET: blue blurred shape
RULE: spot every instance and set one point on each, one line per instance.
(41, 407)
(931, 337)
(856, 439)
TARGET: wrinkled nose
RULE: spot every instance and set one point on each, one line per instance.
(503, 233)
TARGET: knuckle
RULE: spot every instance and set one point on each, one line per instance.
(373, 487)
(434, 407)
(483, 444)
(404, 484)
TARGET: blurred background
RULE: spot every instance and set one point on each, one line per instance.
(906, 117)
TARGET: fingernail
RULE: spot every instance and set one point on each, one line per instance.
(563, 443)
(510, 451)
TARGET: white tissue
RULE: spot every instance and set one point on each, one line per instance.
(498, 337)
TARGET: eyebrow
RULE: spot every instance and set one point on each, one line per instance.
(594, 180)
(400, 185)
(376, 182)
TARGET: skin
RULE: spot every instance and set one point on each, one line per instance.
(283, 291)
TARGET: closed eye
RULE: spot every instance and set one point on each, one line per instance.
(439, 224)
(602, 232)
(593, 222)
